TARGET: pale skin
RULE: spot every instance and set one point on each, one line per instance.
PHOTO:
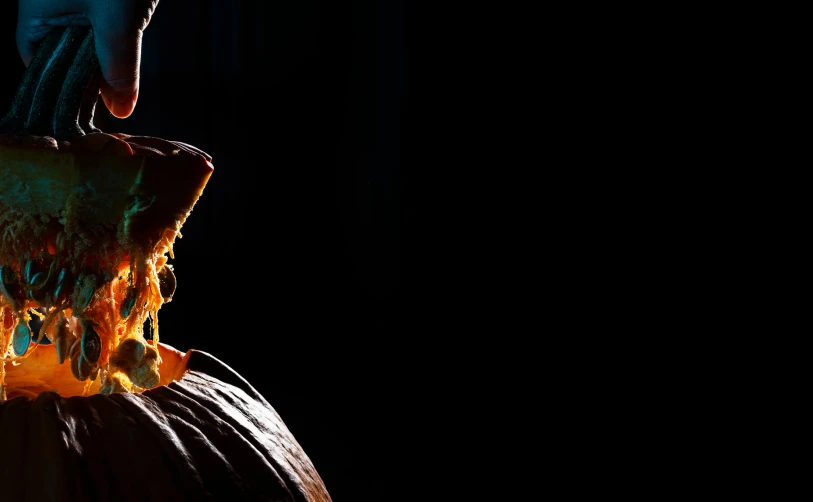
(118, 27)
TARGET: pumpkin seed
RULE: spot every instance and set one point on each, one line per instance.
(73, 352)
(84, 368)
(37, 276)
(94, 373)
(91, 343)
(166, 282)
(61, 342)
(22, 338)
(62, 286)
(38, 279)
(38, 295)
(128, 303)
(29, 270)
(7, 281)
(62, 275)
(74, 368)
(83, 292)
(6, 275)
(80, 368)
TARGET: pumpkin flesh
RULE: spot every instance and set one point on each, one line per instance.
(40, 372)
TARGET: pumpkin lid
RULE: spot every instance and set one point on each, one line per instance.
(88, 221)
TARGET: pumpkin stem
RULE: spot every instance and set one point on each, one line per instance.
(58, 92)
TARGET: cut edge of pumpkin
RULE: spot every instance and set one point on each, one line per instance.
(41, 372)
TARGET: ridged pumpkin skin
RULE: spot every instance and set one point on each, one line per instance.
(208, 436)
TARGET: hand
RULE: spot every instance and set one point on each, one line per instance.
(118, 26)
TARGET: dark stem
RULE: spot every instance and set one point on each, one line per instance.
(49, 87)
(15, 119)
(79, 92)
(58, 92)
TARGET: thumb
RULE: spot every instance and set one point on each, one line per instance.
(119, 58)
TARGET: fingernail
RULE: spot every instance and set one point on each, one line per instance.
(122, 107)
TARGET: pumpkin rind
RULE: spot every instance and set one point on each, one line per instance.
(208, 436)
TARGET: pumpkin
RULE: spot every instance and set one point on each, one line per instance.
(88, 221)
(206, 434)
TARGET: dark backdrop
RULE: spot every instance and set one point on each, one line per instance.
(289, 268)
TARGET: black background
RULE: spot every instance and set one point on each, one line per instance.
(289, 268)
